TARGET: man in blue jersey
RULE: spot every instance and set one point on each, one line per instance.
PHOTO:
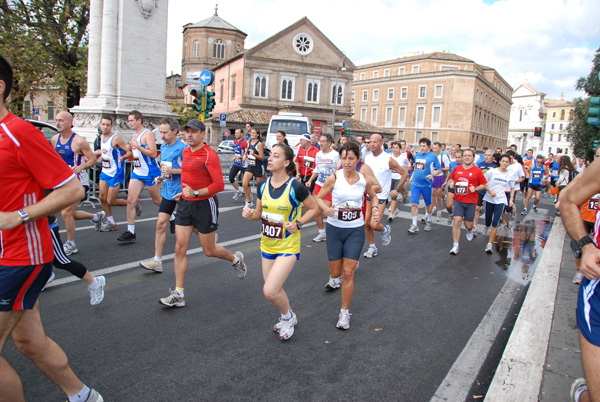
(171, 156)
(537, 176)
(426, 166)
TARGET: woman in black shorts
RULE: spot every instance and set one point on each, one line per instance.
(253, 157)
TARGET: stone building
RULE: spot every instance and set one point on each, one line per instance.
(558, 117)
(527, 113)
(440, 95)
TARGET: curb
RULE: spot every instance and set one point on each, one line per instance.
(520, 372)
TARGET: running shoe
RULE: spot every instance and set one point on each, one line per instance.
(438, 215)
(70, 248)
(334, 283)
(371, 252)
(286, 329)
(524, 212)
(488, 248)
(97, 295)
(485, 230)
(427, 227)
(98, 219)
(172, 226)
(578, 387)
(240, 266)
(322, 236)
(386, 235)
(434, 210)
(450, 220)
(343, 320)
(277, 327)
(127, 237)
(534, 209)
(108, 226)
(470, 235)
(152, 265)
(138, 207)
(396, 213)
(94, 396)
(391, 217)
(505, 226)
(52, 277)
(413, 229)
(237, 195)
(173, 300)
(474, 231)
(576, 280)
(454, 250)
(249, 204)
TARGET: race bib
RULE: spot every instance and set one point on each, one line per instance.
(555, 173)
(251, 161)
(537, 175)
(461, 188)
(136, 163)
(105, 164)
(420, 164)
(309, 162)
(593, 203)
(272, 225)
(349, 211)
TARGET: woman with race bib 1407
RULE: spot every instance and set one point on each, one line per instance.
(279, 207)
(346, 223)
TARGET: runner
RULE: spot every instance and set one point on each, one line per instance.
(345, 225)
(382, 165)
(467, 179)
(537, 176)
(305, 161)
(253, 159)
(554, 174)
(501, 184)
(528, 160)
(171, 156)
(516, 170)
(201, 180)
(425, 167)
(25, 265)
(112, 176)
(402, 159)
(439, 180)
(326, 162)
(279, 207)
(73, 149)
(458, 160)
(485, 165)
(239, 148)
(145, 170)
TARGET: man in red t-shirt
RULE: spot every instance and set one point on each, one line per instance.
(467, 180)
(30, 165)
(305, 160)
(198, 210)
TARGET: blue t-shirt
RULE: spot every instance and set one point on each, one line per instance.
(453, 166)
(484, 166)
(172, 153)
(554, 170)
(424, 165)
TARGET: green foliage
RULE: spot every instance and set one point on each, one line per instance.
(185, 113)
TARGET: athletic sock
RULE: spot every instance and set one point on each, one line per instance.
(157, 259)
(414, 219)
(179, 291)
(94, 284)
(111, 219)
(344, 310)
(321, 230)
(455, 244)
(287, 315)
(372, 245)
(429, 217)
(70, 242)
(235, 261)
(81, 396)
(131, 228)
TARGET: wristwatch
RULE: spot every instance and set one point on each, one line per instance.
(576, 246)
(299, 225)
(24, 215)
(196, 193)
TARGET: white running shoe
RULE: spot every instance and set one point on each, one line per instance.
(413, 229)
(427, 227)
(173, 300)
(334, 283)
(469, 235)
(454, 250)
(474, 231)
(322, 236)
(152, 265)
(434, 210)
(249, 204)
(240, 267)
(371, 252)
(107, 226)
(386, 235)
(237, 195)
(438, 215)
(98, 219)
(97, 295)
(286, 329)
(343, 320)
(488, 248)
(534, 209)
(70, 248)
(485, 230)
(277, 327)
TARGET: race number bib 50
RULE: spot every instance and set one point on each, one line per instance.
(349, 211)
(272, 225)
(461, 188)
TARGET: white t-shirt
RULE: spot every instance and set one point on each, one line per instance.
(380, 165)
(516, 169)
(403, 161)
(499, 182)
(325, 164)
(444, 162)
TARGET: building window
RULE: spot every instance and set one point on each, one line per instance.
(27, 108)
(422, 92)
(375, 95)
(560, 126)
(196, 49)
(401, 70)
(287, 88)
(520, 115)
(559, 137)
(363, 114)
(553, 114)
(436, 116)
(353, 98)
(420, 114)
(337, 94)
(562, 114)
(401, 115)
(389, 111)
(312, 90)
(50, 110)
(352, 111)
(261, 84)
(390, 94)
(353, 77)
(552, 126)
(415, 69)
(221, 90)
(374, 116)
(404, 93)
(435, 136)
(439, 90)
(551, 135)
(233, 82)
(400, 135)
(375, 74)
(365, 96)
(386, 72)
(363, 76)
(219, 49)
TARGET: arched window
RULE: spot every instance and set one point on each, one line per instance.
(196, 50)
(562, 114)
(286, 89)
(219, 49)
(336, 95)
(309, 92)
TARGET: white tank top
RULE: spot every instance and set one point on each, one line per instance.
(380, 165)
(347, 199)
(109, 157)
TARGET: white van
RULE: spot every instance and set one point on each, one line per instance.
(293, 124)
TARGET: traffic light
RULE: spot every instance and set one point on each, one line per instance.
(596, 144)
(537, 132)
(210, 104)
(343, 131)
(198, 96)
(594, 112)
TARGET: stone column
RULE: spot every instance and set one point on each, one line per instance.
(93, 82)
(108, 57)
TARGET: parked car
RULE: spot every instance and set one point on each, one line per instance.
(48, 129)
(226, 147)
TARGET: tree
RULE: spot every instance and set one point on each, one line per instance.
(45, 41)
(185, 113)
(583, 134)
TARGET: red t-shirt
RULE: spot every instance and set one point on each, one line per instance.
(463, 180)
(29, 165)
(202, 169)
(306, 159)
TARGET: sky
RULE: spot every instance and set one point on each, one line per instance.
(546, 43)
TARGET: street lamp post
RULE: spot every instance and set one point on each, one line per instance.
(335, 90)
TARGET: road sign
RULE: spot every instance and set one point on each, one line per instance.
(346, 124)
(222, 119)
(207, 77)
(193, 78)
(226, 133)
(36, 110)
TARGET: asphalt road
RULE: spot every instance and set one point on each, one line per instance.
(416, 311)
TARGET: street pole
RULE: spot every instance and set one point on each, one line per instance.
(337, 69)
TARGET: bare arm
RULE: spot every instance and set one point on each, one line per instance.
(82, 147)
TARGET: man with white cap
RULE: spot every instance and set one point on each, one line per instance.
(305, 160)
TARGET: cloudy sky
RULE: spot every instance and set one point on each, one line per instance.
(549, 43)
